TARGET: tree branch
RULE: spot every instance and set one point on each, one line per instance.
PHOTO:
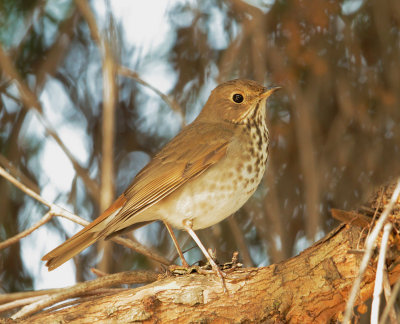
(55, 210)
(312, 287)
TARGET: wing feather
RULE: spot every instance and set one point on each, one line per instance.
(172, 167)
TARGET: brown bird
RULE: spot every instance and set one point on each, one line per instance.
(203, 175)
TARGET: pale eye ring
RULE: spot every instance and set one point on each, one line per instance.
(237, 97)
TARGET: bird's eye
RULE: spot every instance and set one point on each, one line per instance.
(237, 97)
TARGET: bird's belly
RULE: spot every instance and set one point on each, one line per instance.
(213, 196)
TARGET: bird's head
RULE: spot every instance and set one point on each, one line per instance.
(235, 101)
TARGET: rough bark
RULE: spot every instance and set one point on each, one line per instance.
(311, 287)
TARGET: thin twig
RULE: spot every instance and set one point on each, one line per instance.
(388, 293)
(390, 303)
(376, 209)
(20, 302)
(92, 185)
(55, 210)
(135, 246)
(14, 300)
(27, 96)
(22, 187)
(170, 102)
(240, 241)
(15, 172)
(98, 273)
(6, 298)
(379, 273)
(371, 240)
(87, 14)
(30, 101)
(129, 277)
(25, 233)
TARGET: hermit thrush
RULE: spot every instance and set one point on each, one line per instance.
(203, 175)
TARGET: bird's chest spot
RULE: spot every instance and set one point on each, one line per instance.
(254, 156)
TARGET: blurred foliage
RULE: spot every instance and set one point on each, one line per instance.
(334, 127)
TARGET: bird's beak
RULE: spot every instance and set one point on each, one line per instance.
(269, 91)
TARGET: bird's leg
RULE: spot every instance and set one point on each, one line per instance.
(188, 224)
(171, 233)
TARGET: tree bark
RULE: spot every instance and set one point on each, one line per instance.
(311, 287)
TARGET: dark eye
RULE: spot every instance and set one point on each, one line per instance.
(237, 97)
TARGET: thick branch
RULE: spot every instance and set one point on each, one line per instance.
(311, 287)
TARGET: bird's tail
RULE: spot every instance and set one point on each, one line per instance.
(81, 240)
(69, 249)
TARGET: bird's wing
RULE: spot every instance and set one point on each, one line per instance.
(190, 153)
(178, 162)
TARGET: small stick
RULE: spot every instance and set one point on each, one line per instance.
(390, 303)
(368, 252)
(129, 277)
(379, 274)
(55, 210)
(388, 293)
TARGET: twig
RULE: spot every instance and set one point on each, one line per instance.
(170, 102)
(55, 210)
(390, 303)
(13, 170)
(87, 14)
(368, 252)
(6, 298)
(92, 185)
(30, 101)
(27, 97)
(25, 233)
(388, 293)
(14, 300)
(135, 246)
(379, 273)
(240, 241)
(20, 302)
(129, 277)
(376, 209)
(98, 273)
(22, 187)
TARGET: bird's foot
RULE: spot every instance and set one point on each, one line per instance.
(207, 269)
(188, 224)
(216, 269)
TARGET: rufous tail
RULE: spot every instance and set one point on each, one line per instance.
(85, 237)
